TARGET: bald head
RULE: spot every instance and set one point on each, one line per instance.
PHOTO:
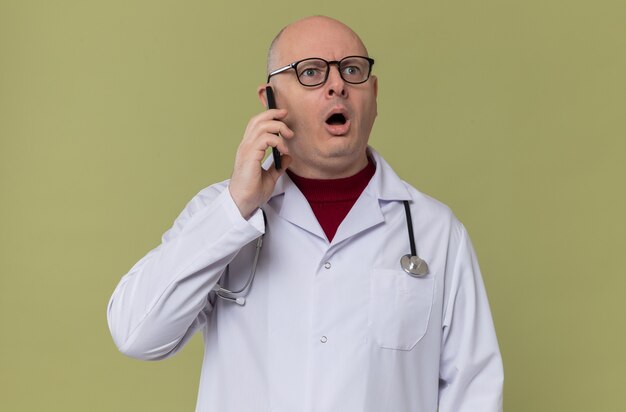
(301, 34)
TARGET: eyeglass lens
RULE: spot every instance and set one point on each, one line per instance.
(312, 72)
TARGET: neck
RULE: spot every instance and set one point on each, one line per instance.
(332, 199)
(337, 169)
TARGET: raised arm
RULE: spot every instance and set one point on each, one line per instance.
(163, 300)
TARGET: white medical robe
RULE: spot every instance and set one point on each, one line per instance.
(326, 327)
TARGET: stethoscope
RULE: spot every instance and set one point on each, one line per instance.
(410, 263)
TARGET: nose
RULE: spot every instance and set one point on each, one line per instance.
(335, 85)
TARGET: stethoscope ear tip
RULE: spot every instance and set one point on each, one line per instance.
(414, 266)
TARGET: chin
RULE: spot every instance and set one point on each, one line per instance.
(343, 155)
(345, 146)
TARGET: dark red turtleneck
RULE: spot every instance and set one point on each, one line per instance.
(332, 199)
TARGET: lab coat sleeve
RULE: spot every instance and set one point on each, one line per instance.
(163, 300)
(471, 373)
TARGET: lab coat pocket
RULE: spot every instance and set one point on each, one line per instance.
(400, 307)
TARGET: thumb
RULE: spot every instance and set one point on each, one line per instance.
(285, 161)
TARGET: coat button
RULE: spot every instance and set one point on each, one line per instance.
(327, 265)
(323, 339)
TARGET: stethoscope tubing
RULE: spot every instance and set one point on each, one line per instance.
(409, 225)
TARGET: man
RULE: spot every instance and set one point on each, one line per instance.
(323, 317)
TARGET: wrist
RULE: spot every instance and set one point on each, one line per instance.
(245, 209)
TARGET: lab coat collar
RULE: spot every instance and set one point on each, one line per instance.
(385, 185)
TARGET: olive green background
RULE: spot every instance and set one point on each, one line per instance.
(113, 114)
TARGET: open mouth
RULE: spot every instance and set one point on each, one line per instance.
(337, 123)
(336, 119)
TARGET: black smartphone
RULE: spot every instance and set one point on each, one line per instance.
(271, 104)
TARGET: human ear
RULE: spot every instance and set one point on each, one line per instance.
(261, 93)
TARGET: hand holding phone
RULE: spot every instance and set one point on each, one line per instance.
(250, 184)
(271, 104)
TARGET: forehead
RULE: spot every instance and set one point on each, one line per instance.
(323, 38)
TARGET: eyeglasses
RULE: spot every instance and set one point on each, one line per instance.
(314, 71)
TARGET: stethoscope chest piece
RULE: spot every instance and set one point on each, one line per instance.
(414, 266)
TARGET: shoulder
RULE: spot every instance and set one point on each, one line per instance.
(435, 215)
(203, 199)
(425, 209)
(428, 206)
(206, 196)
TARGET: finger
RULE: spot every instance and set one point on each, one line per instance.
(277, 142)
(255, 129)
(270, 114)
(274, 173)
(275, 126)
(267, 141)
(277, 113)
(256, 149)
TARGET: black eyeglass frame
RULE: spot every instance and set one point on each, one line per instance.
(294, 66)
